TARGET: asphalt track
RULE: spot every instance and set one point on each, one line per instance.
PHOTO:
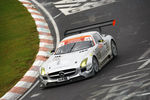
(127, 77)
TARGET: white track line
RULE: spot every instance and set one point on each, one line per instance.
(143, 94)
(57, 15)
(68, 5)
(35, 95)
(51, 19)
(69, 1)
(143, 65)
(132, 63)
(145, 54)
(29, 90)
(73, 6)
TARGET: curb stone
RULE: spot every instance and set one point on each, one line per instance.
(45, 45)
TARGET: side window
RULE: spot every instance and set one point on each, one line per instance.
(97, 37)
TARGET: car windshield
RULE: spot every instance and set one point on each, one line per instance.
(74, 47)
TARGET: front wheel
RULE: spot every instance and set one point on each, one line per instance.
(95, 65)
(114, 49)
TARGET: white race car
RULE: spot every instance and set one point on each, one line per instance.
(77, 57)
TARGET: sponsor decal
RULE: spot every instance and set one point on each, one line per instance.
(76, 39)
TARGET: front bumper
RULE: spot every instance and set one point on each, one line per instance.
(79, 75)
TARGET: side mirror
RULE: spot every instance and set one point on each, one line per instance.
(52, 52)
(100, 40)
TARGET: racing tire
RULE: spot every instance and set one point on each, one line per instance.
(95, 65)
(114, 49)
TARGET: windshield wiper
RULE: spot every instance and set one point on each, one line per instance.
(72, 47)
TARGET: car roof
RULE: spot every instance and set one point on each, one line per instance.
(81, 34)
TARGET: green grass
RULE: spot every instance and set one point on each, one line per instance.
(18, 43)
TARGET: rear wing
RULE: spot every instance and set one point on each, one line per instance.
(88, 27)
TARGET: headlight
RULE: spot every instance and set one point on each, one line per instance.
(83, 63)
(42, 71)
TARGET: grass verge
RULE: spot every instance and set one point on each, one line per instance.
(18, 43)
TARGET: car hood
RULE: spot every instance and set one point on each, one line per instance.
(66, 61)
